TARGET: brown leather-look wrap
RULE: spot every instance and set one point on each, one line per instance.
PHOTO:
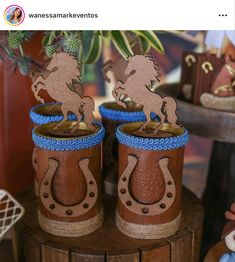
(69, 185)
(110, 145)
(68, 173)
(147, 185)
(46, 111)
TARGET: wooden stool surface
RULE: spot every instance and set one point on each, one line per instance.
(108, 244)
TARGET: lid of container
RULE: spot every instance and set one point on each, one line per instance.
(167, 138)
(62, 139)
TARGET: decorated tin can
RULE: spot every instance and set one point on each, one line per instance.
(69, 169)
(149, 187)
(114, 115)
(43, 114)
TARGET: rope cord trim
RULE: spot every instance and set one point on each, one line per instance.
(152, 143)
(70, 229)
(68, 143)
(148, 231)
(40, 119)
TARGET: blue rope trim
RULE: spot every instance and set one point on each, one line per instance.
(69, 144)
(40, 119)
(120, 115)
(152, 143)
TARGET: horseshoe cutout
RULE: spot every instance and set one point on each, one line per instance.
(190, 60)
(207, 67)
(68, 211)
(146, 209)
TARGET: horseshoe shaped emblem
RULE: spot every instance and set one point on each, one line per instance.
(190, 60)
(57, 209)
(146, 209)
(207, 67)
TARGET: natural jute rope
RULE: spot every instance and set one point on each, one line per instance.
(147, 231)
(70, 229)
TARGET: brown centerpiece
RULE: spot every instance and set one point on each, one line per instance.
(114, 115)
(150, 157)
(69, 167)
(68, 155)
(150, 174)
(43, 114)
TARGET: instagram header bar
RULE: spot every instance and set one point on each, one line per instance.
(118, 15)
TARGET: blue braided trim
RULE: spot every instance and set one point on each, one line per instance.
(119, 115)
(40, 119)
(68, 144)
(152, 143)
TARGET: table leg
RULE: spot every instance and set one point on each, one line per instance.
(219, 192)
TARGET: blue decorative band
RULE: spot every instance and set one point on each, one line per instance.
(152, 143)
(68, 144)
(120, 115)
(40, 119)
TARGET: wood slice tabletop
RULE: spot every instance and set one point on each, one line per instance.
(108, 244)
(214, 124)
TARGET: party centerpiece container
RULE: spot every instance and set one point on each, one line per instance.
(114, 115)
(150, 174)
(43, 114)
(68, 173)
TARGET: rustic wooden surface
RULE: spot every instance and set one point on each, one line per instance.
(200, 121)
(216, 252)
(220, 192)
(108, 244)
(6, 251)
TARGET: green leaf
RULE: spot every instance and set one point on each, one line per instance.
(95, 49)
(153, 40)
(105, 33)
(45, 40)
(120, 41)
(51, 37)
(145, 45)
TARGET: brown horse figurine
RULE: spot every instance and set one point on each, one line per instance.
(118, 68)
(86, 109)
(142, 73)
(57, 79)
(224, 84)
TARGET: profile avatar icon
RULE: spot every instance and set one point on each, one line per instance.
(14, 15)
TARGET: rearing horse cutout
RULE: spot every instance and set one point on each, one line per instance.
(142, 73)
(61, 71)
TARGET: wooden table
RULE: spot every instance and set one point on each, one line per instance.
(220, 189)
(108, 244)
(6, 251)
